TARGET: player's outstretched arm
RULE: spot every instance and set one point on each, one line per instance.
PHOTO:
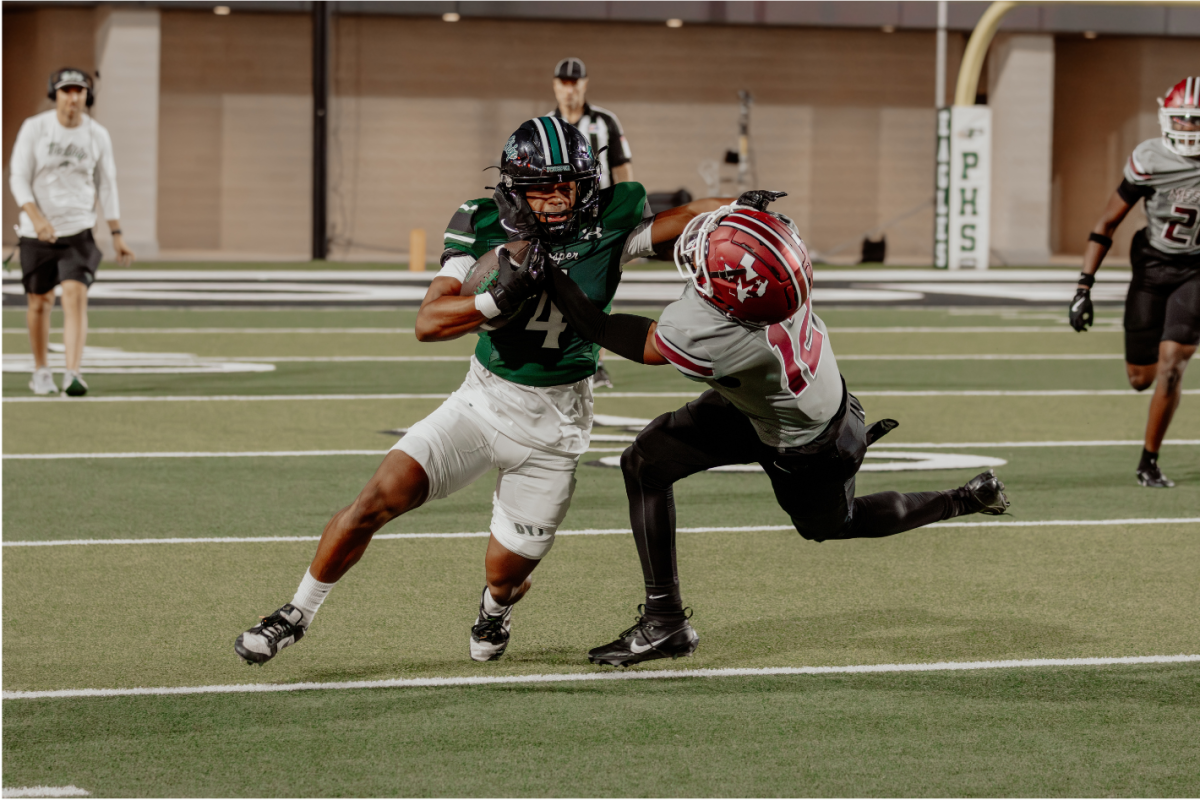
(628, 335)
(1081, 312)
(444, 315)
(669, 224)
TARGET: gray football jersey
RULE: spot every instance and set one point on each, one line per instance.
(784, 377)
(1173, 207)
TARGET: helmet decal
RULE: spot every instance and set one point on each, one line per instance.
(749, 264)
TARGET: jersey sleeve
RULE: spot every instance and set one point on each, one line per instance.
(461, 236)
(687, 355)
(1137, 171)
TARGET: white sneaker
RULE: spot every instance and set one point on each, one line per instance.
(43, 381)
(73, 384)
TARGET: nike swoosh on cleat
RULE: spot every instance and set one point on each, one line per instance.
(638, 650)
(656, 597)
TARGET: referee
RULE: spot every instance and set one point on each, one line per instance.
(599, 125)
(603, 130)
(62, 160)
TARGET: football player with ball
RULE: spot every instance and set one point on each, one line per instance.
(745, 327)
(525, 407)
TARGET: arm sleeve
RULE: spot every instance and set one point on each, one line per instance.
(1132, 192)
(106, 176)
(638, 244)
(623, 334)
(456, 266)
(20, 169)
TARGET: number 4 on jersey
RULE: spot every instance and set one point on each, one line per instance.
(553, 324)
(797, 343)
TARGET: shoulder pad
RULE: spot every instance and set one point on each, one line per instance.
(468, 230)
(623, 205)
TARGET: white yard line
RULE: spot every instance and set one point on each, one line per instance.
(304, 453)
(599, 395)
(999, 523)
(607, 675)
(45, 791)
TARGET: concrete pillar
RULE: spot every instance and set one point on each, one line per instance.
(1021, 95)
(128, 44)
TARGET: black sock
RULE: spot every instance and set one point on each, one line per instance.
(1148, 459)
(665, 603)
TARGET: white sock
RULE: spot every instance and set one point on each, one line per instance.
(309, 597)
(490, 606)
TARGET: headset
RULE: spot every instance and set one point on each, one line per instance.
(58, 75)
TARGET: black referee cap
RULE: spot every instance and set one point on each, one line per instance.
(570, 69)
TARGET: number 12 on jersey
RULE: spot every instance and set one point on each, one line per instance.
(797, 343)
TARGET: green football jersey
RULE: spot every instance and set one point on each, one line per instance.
(537, 347)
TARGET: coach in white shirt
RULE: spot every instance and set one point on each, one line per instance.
(61, 162)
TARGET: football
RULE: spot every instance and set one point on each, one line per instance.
(483, 274)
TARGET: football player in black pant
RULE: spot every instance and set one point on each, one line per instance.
(745, 328)
(1162, 309)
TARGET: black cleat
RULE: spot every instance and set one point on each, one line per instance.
(1150, 475)
(984, 494)
(489, 635)
(646, 640)
(276, 631)
(601, 379)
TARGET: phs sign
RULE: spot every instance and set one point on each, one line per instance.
(964, 187)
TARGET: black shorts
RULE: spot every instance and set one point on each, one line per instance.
(71, 258)
(1163, 304)
(813, 483)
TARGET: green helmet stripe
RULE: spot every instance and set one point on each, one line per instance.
(554, 137)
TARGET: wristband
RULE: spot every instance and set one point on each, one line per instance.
(486, 304)
(1087, 280)
(1099, 238)
(117, 232)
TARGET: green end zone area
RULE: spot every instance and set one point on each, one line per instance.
(165, 615)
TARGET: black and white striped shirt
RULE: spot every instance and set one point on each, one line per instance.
(603, 129)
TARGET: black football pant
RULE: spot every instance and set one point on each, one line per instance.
(813, 483)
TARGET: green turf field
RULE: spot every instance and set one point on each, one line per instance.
(1116, 578)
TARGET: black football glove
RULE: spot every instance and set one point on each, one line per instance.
(1082, 312)
(516, 217)
(759, 199)
(517, 282)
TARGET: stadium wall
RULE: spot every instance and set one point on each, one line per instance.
(842, 119)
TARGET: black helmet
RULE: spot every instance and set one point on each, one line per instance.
(547, 151)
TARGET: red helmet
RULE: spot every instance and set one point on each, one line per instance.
(751, 265)
(1178, 111)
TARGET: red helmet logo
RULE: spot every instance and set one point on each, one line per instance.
(749, 264)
